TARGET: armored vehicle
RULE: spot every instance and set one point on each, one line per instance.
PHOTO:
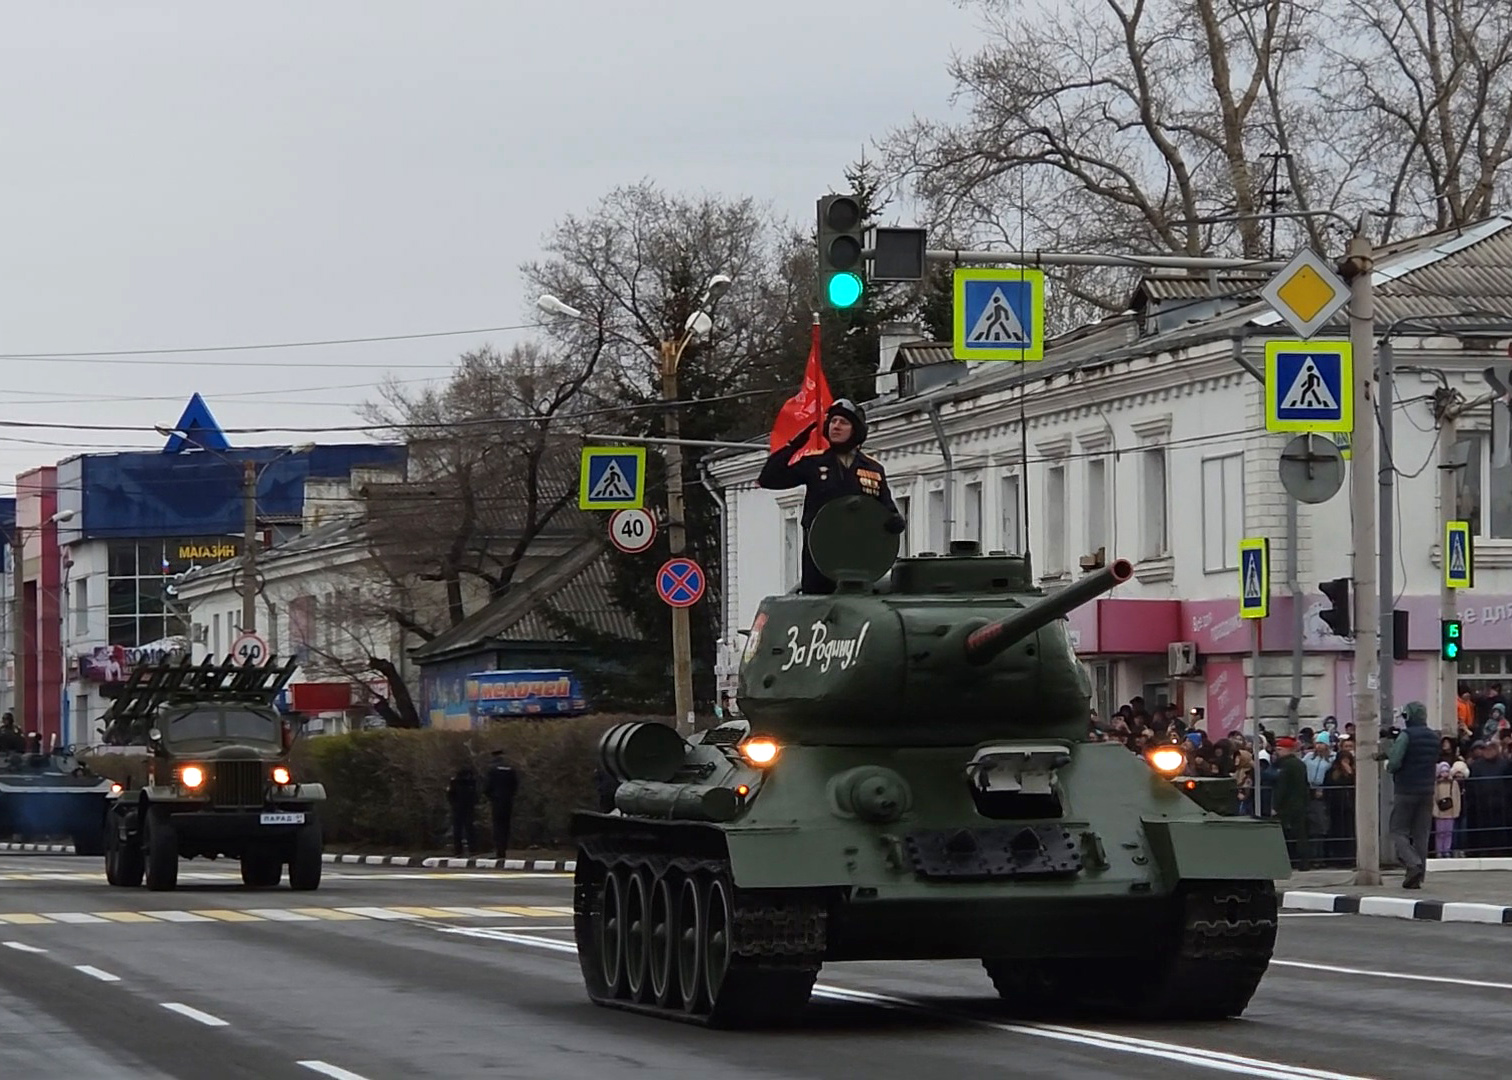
(53, 796)
(912, 777)
(219, 780)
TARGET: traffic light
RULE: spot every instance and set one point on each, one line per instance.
(1399, 630)
(1337, 617)
(1451, 639)
(841, 234)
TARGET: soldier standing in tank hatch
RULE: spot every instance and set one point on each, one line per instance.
(839, 471)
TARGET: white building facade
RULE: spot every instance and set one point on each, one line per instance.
(1143, 437)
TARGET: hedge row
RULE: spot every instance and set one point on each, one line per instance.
(386, 789)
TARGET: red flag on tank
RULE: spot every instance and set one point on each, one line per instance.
(806, 407)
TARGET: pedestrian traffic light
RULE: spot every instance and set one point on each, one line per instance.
(841, 231)
(1399, 628)
(1451, 638)
(1337, 617)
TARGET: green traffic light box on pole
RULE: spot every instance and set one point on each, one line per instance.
(841, 241)
(1451, 631)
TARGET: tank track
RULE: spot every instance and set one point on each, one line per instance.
(758, 951)
(1221, 938)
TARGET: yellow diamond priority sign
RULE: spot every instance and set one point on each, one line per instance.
(1306, 293)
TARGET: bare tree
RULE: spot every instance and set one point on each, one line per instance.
(364, 634)
(1426, 88)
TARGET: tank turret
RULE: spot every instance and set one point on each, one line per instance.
(937, 650)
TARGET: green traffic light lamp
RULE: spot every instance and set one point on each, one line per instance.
(844, 290)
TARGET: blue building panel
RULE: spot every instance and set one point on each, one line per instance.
(199, 494)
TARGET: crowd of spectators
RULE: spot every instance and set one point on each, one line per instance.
(1472, 800)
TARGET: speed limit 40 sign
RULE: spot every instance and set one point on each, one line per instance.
(249, 648)
(632, 531)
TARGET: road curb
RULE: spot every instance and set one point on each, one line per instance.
(550, 866)
(1396, 907)
(46, 849)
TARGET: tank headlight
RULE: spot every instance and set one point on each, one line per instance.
(281, 776)
(760, 751)
(115, 789)
(192, 776)
(1166, 759)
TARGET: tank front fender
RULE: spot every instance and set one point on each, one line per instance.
(790, 858)
(1218, 849)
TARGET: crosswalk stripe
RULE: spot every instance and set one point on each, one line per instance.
(177, 916)
(471, 912)
(226, 916)
(388, 914)
(280, 915)
(528, 912)
(124, 916)
(24, 920)
(424, 912)
(329, 914)
(72, 917)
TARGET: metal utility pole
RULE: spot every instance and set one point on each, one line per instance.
(1386, 396)
(1448, 670)
(1358, 269)
(677, 538)
(249, 541)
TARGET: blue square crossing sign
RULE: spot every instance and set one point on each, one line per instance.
(999, 314)
(1309, 386)
(612, 478)
(1254, 577)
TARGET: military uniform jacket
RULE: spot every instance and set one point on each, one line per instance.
(826, 478)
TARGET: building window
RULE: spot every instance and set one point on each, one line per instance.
(1097, 504)
(136, 611)
(81, 607)
(1055, 520)
(1010, 514)
(937, 521)
(1488, 508)
(1222, 512)
(302, 627)
(1153, 496)
(792, 552)
(904, 503)
(972, 513)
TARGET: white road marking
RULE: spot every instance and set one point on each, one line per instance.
(273, 914)
(326, 1069)
(1101, 1040)
(1480, 984)
(377, 913)
(21, 946)
(1311, 914)
(178, 916)
(96, 973)
(194, 1014)
(71, 917)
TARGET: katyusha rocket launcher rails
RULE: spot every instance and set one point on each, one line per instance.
(912, 778)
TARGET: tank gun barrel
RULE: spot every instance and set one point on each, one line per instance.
(990, 640)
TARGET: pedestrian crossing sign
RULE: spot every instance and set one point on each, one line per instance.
(1254, 577)
(1309, 386)
(999, 314)
(612, 478)
(1459, 556)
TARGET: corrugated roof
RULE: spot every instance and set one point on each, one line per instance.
(1196, 287)
(1475, 277)
(578, 584)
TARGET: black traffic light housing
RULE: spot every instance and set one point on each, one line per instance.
(1399, 635)
(841, 240)
(1337, 618)
(1451, 638)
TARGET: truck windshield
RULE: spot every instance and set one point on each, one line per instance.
(228, 723)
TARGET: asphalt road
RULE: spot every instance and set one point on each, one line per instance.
(458, 974)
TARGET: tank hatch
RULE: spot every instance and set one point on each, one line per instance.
(964, 570)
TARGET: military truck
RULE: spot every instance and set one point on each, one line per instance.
(219, 779)
(913, 778)
(53, 796)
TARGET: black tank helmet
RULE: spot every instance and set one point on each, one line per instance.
(851, 411)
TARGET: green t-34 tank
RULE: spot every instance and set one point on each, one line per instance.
(912, 779)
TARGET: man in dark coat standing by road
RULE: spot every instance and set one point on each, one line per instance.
(839, 471)
(500, 789)
(462, 797)
(1412, 761)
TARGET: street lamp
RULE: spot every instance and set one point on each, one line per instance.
(18, 585)
(698, 324)
(251, 474)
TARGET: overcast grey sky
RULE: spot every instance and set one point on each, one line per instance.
(195, 172)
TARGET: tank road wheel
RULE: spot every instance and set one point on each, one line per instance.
(660, 938)
(637, 934)
(690, 944)
(719, 920)
(162, 851)
(611, 935)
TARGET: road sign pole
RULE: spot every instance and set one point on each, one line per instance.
(1358, 270)
(249, 541)
(1386, 507)
(1448, 670)
(682, 640)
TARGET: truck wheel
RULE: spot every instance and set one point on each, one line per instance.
(123, 858)
(306, 862)
(261, 868)
(162, 851)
